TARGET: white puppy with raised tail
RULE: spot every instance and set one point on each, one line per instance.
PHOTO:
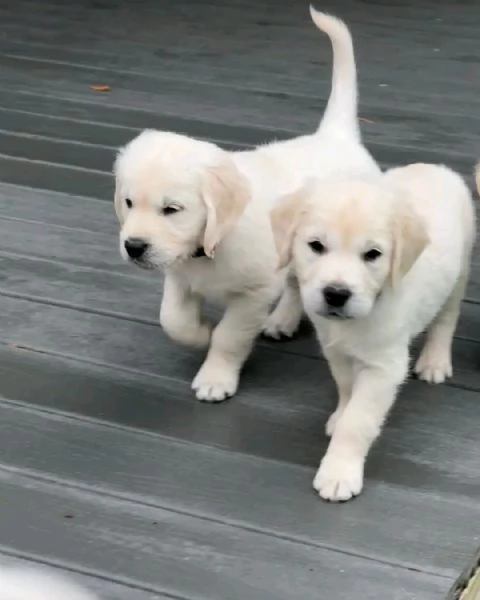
(20, 583)
(201, 215)
(378, 261)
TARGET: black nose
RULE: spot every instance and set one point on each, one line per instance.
(135, 247)
(336, 296)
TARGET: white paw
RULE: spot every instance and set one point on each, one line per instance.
(332, 422)
(339, 479)
(434, 365)
(279, 325)
(214, 383)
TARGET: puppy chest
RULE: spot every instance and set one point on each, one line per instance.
(207, 281)
(217, 281)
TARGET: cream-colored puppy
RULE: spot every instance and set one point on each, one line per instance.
(378, 261)
(20, 583)
(201, 215)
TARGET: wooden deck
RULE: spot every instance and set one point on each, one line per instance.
(109, 467)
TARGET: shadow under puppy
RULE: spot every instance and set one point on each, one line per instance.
(378, 261)
(201, 215)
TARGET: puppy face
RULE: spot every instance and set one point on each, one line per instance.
(174, 195)
(348, 240)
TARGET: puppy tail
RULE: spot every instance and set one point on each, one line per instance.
(341, 114)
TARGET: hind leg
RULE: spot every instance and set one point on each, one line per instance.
(285, 318)
(435, 362)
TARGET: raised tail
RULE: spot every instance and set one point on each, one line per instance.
(341, 115)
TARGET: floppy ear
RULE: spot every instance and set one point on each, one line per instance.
(409, 241)
(285, 218)
(118, 200)
(226, 193)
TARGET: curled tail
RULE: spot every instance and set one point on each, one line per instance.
(340, 116)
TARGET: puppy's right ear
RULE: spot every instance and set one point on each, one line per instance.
(118, 200)
(285, 219)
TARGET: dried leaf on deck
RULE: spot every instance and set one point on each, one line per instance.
(100, 88)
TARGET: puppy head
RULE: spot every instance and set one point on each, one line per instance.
(174, 195)
(348, 240)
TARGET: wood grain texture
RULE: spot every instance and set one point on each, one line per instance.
(109, 468)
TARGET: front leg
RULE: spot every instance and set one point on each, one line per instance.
(340, 476)
(231, 343)
(341, 368)
(180, 314)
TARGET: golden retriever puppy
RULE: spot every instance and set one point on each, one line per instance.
(378, 261)
(201, 215)
(20, 583)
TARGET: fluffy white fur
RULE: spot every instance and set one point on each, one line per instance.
(175, 194)
(378, 261)
(19, 583)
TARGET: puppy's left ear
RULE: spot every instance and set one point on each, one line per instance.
(226, 193)
(285, 219)
(409, 241)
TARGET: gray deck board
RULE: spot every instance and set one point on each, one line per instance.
(180, 555)
(109, 468)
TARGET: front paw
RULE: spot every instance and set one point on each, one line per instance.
(339, 479)
(215, 382)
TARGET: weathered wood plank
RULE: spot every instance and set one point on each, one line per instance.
(240, 473)
(172, 554)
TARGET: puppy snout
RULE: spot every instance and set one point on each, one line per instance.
(336, 296)
(135, 247)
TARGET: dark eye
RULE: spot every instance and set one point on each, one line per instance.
(128, 202)
(170, 210)
(372, 255)
(317, 247)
